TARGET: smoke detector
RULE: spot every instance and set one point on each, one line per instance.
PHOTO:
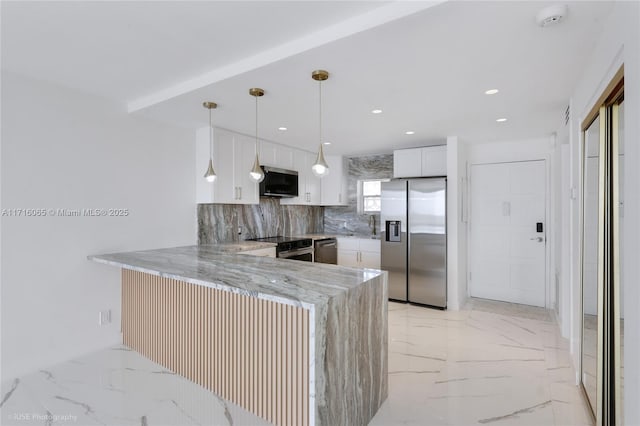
(552, 15)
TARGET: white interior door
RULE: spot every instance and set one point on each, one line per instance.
(507, 253)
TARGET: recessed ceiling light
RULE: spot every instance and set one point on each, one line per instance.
(491, 92)
(376, 111)
(501, 120)
(326, 143)
(282, 128)
(409, 132)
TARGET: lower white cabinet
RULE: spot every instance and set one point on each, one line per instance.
(359, 252)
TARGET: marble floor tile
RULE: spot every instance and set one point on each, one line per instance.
(115, 387)
(491, 363)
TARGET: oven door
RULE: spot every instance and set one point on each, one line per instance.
(305, 254)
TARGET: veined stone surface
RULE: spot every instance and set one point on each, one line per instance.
(219, 223)
(347, 316)
(345, 220)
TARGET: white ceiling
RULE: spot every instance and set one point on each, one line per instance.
(426, 65)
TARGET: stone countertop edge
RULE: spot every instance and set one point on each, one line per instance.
(239, 246)
(301, 284)
(315, 237)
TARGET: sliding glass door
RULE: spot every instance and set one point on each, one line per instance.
(603, 213)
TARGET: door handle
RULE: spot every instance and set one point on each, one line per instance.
(538, 239)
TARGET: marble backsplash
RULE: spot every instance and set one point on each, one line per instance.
(219, 223)
(345, 220)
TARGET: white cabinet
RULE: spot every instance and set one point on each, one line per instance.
(233, 156)
(267, 152)
(275, 155)
(407, 162)
(334, 185)
(434, 160)
(359, 252)
(308, 183)
(420, 162)
(284, 157)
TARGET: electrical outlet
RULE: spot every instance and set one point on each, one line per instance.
(239, 230)
(104, 317)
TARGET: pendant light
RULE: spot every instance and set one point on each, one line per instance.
(256, 173)
(320, 168)
(210, 175)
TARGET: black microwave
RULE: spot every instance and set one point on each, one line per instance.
(279, 183)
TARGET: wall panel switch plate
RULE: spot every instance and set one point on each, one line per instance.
(104, 317)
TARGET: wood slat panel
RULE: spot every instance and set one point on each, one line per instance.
(252, 352)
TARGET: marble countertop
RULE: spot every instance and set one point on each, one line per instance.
(286, 281)
(314, 237)
(323, 236)
(239, 246)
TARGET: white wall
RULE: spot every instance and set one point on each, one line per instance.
(457, 291)
(64, 149)
(620, 43)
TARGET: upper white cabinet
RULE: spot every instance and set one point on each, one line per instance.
(407, 162)
(275, 155)
(308, 183)
(334, 185)
(233, 156)
(420, 162)
(434, 160)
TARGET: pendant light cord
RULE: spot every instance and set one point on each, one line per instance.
(210, 137)
(256, 125)
(320, 103)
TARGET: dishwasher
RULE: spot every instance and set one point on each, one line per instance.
(326, 251)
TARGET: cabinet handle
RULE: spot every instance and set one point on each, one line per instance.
(240, 192)
(235, 192)
(340, 197)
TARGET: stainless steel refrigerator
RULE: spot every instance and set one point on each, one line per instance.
(414, 240)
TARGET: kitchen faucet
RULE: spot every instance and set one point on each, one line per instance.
(372, 224)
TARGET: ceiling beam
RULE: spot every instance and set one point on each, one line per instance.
(376, 17)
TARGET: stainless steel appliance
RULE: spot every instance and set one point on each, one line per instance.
(326, 251)
(414, 240)
(292, 248)
(279, 183)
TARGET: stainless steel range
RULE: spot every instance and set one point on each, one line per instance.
(292, 248)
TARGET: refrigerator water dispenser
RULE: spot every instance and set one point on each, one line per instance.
(393, 230)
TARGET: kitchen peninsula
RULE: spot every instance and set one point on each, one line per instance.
(296, 343)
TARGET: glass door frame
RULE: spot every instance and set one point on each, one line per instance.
(608, 391)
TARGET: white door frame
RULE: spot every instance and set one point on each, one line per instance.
(549, 285)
